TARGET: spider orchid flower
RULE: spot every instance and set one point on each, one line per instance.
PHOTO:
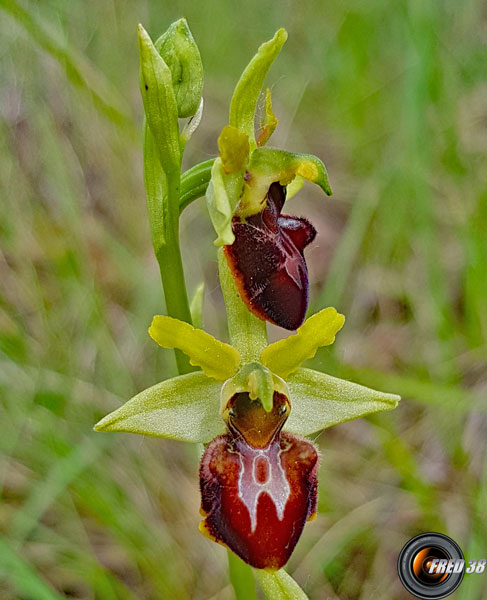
(249, 184)
(263, 247)
(258, 475)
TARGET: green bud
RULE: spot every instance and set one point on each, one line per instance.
(159, 103)
(180, 52)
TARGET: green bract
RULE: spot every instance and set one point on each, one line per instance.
(279, 585)
(180, 52)
(160, 103)
(189, 407)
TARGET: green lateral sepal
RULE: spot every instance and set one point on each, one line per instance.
(221, 197)
(319, 401)
(184, 408)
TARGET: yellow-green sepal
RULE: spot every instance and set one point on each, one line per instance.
(269, 165)
(217, 359)
(286, 356)
(319, 401)
(184, 408)
(248, 88)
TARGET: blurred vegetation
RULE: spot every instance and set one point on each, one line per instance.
(393, 97)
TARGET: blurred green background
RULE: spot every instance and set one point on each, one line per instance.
(393, 97)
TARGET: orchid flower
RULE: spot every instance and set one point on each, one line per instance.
(248, 187)
(258, 476)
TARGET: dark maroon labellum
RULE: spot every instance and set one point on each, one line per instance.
(267, 262)
(258, 485)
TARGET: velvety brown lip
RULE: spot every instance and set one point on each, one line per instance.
(267, 262)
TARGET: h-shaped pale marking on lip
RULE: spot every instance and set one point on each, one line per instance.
(275, 485)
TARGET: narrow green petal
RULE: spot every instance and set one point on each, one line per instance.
(278, 585)
(285, 356)
(269, 122)
(319, 401)
(247, 90)
(268, 165)
(218, 360)
(184, 408)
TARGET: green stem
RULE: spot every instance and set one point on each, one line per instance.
(241, 578)
(171, 267)
(248, 334)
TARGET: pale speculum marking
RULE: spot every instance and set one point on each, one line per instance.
(261, 472)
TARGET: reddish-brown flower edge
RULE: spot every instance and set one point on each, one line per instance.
(267, 262)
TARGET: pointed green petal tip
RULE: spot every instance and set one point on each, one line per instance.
(285, 356)
(217, 360)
